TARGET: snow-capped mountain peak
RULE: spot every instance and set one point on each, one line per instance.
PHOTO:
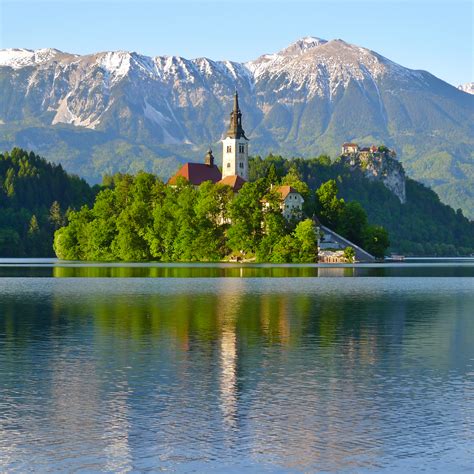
(17, 58)
(319, 67)
(302, 45)
(467, 87)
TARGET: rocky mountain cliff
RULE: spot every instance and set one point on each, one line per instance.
(382, 166)
(122, 111)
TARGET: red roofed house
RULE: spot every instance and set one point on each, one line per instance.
(348, 148)
(197, 173)
(291, 202)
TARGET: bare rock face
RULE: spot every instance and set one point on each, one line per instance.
(382, 166)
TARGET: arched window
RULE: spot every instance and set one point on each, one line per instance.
(228, 165)
(229, 149)
(241, 148)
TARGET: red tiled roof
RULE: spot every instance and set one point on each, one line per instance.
(197, 173)
(350, 144)
(285, 190)
(234, 181)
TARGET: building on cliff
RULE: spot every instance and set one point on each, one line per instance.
(377, 163)
(349, 148)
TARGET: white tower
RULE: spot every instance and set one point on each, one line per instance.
(235, 148)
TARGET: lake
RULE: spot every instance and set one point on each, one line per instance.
(236, 368)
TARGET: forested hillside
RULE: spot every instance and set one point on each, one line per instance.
(422, 226)
(34, 197)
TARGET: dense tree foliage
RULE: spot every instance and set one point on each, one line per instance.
(34, 197)
(421, 226)
(140, 218)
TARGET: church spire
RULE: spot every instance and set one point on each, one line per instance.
(235, 128)
(236, 102)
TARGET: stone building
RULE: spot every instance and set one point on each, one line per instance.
(348, 148)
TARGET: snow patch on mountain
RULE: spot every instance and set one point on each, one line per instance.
(324, 67)
(18, 58)
(302, 45)
(151, 113)
(83, 86)
(116, 63)
(205, 66)
(467, 87)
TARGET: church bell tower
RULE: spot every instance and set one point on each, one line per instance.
(235, 148)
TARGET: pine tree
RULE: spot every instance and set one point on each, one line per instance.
(56, 218)
(272, 176)
(33, 228)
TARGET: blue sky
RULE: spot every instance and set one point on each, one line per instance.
(421, 34)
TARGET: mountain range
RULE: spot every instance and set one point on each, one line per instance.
(122, 111)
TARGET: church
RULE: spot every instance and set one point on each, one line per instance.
(235, 161)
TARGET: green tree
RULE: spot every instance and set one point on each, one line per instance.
(212, 220)
(70, 242)
(56, 217)
(245, 212)
(285, 250)
(329, 208)
(274, 228)
(376, 240)
(272, 176)
(29, 185)
(353, 221)
(349, 254)
(33, 228)
(307, 241)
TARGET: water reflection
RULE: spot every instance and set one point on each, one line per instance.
(338, 375)
(60, 269)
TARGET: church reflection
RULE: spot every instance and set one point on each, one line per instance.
(228, 376)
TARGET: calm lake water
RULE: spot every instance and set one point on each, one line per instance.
(236, 368)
